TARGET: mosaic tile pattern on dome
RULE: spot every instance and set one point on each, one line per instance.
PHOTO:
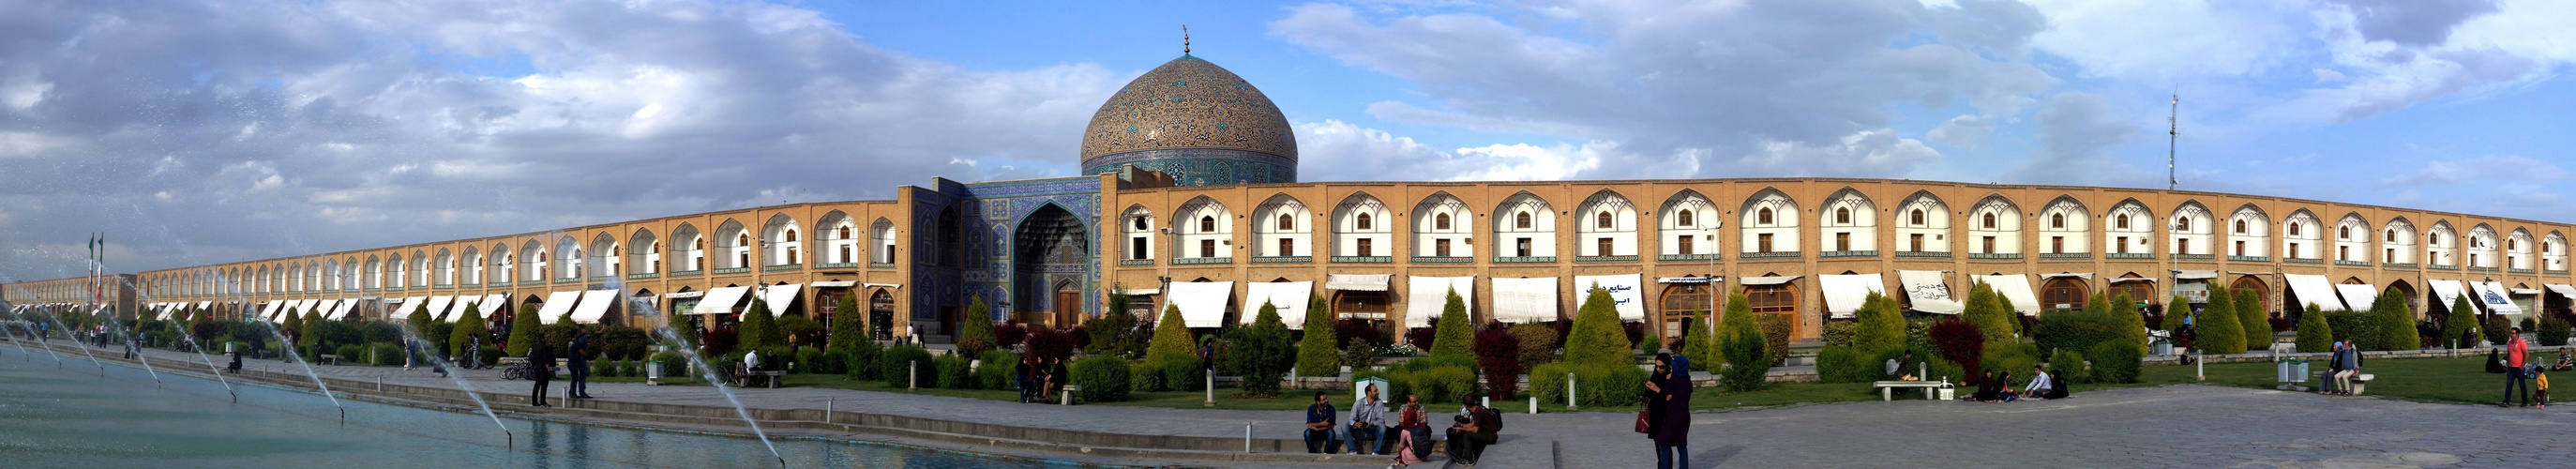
(1188, 103)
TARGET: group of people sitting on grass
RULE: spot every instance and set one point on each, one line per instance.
(1996, 387)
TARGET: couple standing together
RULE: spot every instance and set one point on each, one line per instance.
(1666, 418)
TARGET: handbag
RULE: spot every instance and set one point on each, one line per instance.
(1641, 420)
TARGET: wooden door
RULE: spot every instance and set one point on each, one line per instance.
(1068, 308)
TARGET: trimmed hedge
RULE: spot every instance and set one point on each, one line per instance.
(2068, 365)
(1595, 385)
(2552, 331)
(993, 370)
(1845, 365)
(900, 362)
(954, 372)
(2113, 363)
(862, 363)
(1102, 378)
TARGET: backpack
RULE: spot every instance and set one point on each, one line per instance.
(1497, 417)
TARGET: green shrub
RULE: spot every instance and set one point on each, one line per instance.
(1596, 385)
(1171, 337)
(1445, 384)
(834, 362)
(849, 327)
(1839, 333)
(491, 355)
(993, 370)
(1538, 343)
(2552, 331)
(2069, 365)
(2396, 323)
(1114, 332)
(1776, 329)
(954, 372)
(523, 330)
(603, 368)
(1748, 362)
(386, 354)
(1318, 351)
(2114, 363)
(2250, 318)
(1597, 336)
(1102, 378)
(2498, 330)
(462, 337)
(902, 364)
(2219, 331)
(862, 363)
(975, 329)
(808, 360)
(2078, 329)
(1881, 326)
(1183, 374)
(1261, 354)
(1456, 331)
(1620, 385)
(2458, 328)
(2315, 336)
(1844, 365)
(2359, 326)
(2014, 358)
(1700, 344)
(1992, 315)
(2126, 322)
(1148, 377)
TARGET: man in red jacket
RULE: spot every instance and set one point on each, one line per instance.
(2513, 372)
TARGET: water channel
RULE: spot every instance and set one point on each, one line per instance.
(53, 417)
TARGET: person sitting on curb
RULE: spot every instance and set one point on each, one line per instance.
(1476, 429)
(1368, 423)
(1319, 426)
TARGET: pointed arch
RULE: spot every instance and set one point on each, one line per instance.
(2517, 249)
(1284, 227)
(1994, 228)
(1847, 224)
(1137, 223)
(1442, 227)
(688, 249)
(1923, 225)
(783, 241)
(2397, 241)
(1525, 227)
(841, 238)
(2065, 227)
(1689, 225)
(732, 246)
(1606, 226)
(2482, 246)
(644, 252)
(443, 269)
(2553, 252)
(2248, 231)
(605, 257)
(1362, 227)
(1770, 224)
(882, 241)
(2442, 245)
(2302, 236)
(1206, 229)
(2189, 229)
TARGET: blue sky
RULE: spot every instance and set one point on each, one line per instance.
(199, 131)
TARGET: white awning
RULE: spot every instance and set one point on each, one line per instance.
(1290, 298)
(1141, 291)
(1518, 300)
(685, 294)
(720, 300)
(204, 304)
(325, 307)
(2357, 297)
(269, 308)
(594, 305)
(1430, 294)
(2195, 274)
(2131, 279)
(2015, 287)
(836, 284)
(2081, 275)
(779, 297)
(2526, 291)
(464, 306)
(404, 311)
(1625, 290)
(881, 285)
(2316, 290)
(2564, 290)
(1930, 291)
(2446, 292)
(438, 306)
(1760, 281)
(491, 304)
(1202, 303)
(557, 303)
(342, 312)
(1357, 282)
(2493, 294)
(1845, 293)
(1708, 279)
(309, 305)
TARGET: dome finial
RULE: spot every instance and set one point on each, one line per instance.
(1185, 39)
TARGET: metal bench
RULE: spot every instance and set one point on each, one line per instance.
(1887, 389)
(2325, 381)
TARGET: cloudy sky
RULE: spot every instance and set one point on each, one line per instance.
(197, 131)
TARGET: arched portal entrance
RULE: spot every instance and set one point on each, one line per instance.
(2263, 292)
(1050, 256)
(2063, 294)
(881, 314)
(2414, 301)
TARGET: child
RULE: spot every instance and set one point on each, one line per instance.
(2539, 387)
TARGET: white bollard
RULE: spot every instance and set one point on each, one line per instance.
(1211, 388)
(1247, 437)
(1569, 391)
(911, 378)
(1533, 405)
(827, 410)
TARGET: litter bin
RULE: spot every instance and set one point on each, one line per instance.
(2293, 374)
(2163, 348)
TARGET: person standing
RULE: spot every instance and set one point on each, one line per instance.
(1027, 374)
(409, 346)
(1672, 435)
(2513, 372)
(1319, 425)
(580, 364)
(474, 354)
(541, 368)
(1654, 394)
(1368, 423)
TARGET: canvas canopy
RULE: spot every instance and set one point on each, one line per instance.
(2314, 289)
(1290, 298)
(1625, 290)
(2015, 287)
(1845, 293)
(1518, 300)
(1202, 303)
(1929, 291)
(1429, 294)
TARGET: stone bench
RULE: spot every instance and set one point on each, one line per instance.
(2325, 381)
(1067, 393)
(1887, 389)
(329, 359)
(771, 377)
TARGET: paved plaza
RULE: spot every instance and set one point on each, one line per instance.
(2171, 426)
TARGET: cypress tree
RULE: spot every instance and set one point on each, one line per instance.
(849, 325)
(419, 320)
(2220, 332)
(2175, 311)
(1881, 327)
(523, 330)
(2396, 324)
(2257, 325)
(2314, 335)
(1747, 352)
(2460, 328)
(975, 331)
(1991, 313)
(2128, 324)
(1318, 353)
(467, 328)
(1171, 337)
(1597, 337)
(1700, 343)
(305, 336)
(757, 324)
(294, 325)
(1456, 331)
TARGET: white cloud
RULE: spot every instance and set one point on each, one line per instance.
(2480, 171)
(1965, 131)
(2076, 132)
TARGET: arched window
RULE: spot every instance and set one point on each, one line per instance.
(1684, 219)
(2123, 223)
(2344, 232)
(1440, 222)
(1207, 224)
(2240, 227)
(1363, 221)
(1139, 223)
(2392, 236)
(2057, 220)
(1763, 216)
(1842, 215)
(1602, 221)
(1287, 222)
(1917, 218)
(2294, 229)
(791, 236)
(844, 232)
(2182, 224)
(1521, 220)
(744, 241)
(1990, 221)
